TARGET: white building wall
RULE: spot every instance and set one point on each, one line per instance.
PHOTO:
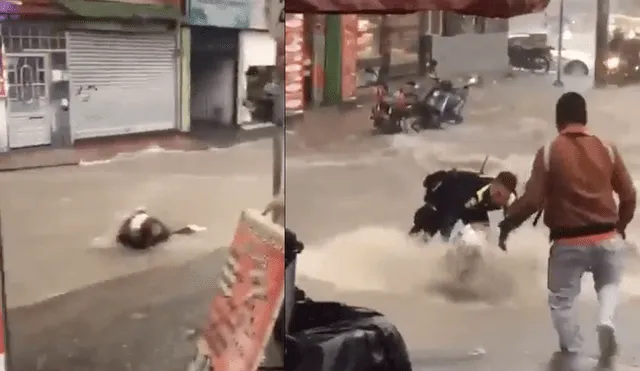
(4, 135)
(257, 48)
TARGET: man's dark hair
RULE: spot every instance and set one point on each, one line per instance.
(508, 179)
(571, 108)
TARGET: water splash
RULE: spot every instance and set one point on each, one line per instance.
(380, 259)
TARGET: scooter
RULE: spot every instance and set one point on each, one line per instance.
(446, 102)
(443, 103)
(391, 113)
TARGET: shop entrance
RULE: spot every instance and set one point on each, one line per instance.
(29, 123)
(213, 70)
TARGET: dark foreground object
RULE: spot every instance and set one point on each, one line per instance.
(328, 336)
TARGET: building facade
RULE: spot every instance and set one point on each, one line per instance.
(331, 57)
(230, 57)
(395, 46)
(81, 69)
(467, 44)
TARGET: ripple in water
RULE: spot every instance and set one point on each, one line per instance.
(386, 260)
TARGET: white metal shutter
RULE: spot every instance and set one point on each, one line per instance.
(121, 83)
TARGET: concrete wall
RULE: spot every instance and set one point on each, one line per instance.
(256, 49)
(4, 135)
(185, 81)
(485, 54)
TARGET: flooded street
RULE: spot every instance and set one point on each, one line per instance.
(354, 210)
(59, 224)
(351, 204)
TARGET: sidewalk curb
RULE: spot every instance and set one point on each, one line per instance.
(105, 149)
(11, 169)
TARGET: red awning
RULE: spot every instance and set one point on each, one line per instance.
(484, 8)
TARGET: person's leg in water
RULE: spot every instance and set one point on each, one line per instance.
(478, 219)
(567, 264)
(607, 267)
(466, 257)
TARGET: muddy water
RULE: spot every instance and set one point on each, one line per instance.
(380, 259)
(356, 211)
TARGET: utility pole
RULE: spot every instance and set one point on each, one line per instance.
(559, 67)
(602, 41)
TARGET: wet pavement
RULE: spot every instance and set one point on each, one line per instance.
(61, 222)
(353, 210)
(144, 322)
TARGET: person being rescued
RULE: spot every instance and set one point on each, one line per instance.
(466, 196)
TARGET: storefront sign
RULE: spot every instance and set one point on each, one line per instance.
(294, 62)
(243, 14)
(9, 9)
(349, 56)
(220, 13)
(3, 79)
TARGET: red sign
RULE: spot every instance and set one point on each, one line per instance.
(3, 89)
(349, 55)
(251, 287)
(294, 62)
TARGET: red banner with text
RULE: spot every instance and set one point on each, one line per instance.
(349, 55)
(3, 89)
(251, 291)
(294, 62)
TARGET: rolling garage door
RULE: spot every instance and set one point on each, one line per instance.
(121, 83)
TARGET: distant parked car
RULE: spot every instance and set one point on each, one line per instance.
(575, 62)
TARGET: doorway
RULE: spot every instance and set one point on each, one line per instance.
(213, 70)
(29, 117)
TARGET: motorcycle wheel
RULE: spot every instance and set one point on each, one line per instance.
(541, 65)
(377, 123)
(411, 124)
(415, 126)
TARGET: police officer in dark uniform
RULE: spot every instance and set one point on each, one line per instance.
(461, 195)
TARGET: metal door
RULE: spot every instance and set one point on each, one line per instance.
(29, 122)
(121, 83)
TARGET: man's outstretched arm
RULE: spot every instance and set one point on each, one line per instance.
(533, 197)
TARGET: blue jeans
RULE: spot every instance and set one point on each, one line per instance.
(567, 265)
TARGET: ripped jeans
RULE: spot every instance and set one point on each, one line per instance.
(567, 265)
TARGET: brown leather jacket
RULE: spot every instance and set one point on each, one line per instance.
(576, 193)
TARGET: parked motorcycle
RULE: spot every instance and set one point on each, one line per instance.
(535, 59)
(415, 108)
(444, 102)
(391, 112)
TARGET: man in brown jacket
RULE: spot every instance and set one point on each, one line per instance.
(573, 179)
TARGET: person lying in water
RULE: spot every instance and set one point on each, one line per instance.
(466, 196)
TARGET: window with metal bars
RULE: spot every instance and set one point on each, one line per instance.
(19, 38)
